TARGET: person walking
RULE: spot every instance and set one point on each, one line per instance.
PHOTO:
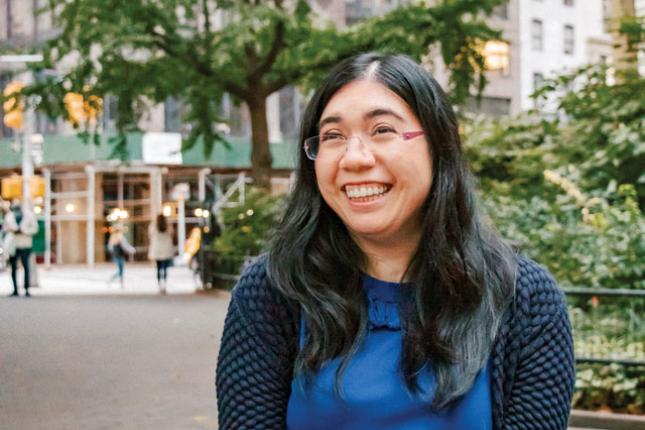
(386, 299)
(119, 248)
(20, 226)
(7, 243)
(161, 249)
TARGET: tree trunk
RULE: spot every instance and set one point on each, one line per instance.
(260, 154)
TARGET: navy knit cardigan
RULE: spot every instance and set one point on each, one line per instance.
(532, 376)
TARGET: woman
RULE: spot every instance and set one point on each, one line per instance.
(386, 301)
(120, 248)
(20, 225)
(161, 249)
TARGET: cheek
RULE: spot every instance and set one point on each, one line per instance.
(325, 176)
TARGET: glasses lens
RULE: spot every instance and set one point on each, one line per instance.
(311, 147)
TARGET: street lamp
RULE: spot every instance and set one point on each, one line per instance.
(27, 164)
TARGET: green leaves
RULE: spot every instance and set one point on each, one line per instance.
(247, 227)
(568, 189)
(143, 51)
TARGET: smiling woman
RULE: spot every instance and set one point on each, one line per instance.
(386, 301)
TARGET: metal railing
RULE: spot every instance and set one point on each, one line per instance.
(608, 325)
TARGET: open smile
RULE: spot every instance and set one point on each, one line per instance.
(366, 192)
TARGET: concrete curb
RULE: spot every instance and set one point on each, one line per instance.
(606, 420)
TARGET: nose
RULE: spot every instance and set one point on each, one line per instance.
(357, 155)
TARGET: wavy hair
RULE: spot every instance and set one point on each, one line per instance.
(462, 271)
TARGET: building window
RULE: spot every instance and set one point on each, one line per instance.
(501, 11)
(569, 40)
(491, 106)
(291, 109)
(605, 9)
(568, 2)
(110, 113)
(8, 19)
(360, 10)
(536, 35)
(496, 55)
(173, 115)
(538, 81)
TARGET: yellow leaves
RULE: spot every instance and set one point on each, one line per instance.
(569, 187)
(13, 106)
(597, 220)
(81, 110)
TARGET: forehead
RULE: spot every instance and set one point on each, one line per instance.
(358, 98)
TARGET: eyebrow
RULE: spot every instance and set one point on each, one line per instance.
(334, 119)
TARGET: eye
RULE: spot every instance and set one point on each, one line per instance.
(331, 136)
(384, 130)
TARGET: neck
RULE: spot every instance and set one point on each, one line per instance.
(388, 260)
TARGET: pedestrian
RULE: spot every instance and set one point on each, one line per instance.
(6, 245)
(386, 299)
(19, 225)
(161, 249)
(120, 249)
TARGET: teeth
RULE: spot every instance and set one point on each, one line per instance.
(365, 191)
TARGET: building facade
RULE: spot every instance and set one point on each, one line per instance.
(541, 39)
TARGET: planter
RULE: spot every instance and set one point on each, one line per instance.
(606, 420)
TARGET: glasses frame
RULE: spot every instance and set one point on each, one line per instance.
(405, 136)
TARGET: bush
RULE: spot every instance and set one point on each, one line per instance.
(610, 388)
(246, 229)
(589, 243)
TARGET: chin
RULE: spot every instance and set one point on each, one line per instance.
(370, 232)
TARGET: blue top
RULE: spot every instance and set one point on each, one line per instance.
(375, 394)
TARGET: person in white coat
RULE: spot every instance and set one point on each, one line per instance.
(161, 249)
(20, 225)
(119, 248)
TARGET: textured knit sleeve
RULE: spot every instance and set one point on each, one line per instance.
(254, 368)
(542, 387)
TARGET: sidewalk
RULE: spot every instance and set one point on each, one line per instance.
(73, 279)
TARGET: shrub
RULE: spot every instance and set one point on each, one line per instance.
(246, 229)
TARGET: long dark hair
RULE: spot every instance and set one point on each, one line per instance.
(463, 272)
(162, 223)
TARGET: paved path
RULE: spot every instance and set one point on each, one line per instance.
(88, 355)
(81, 354)
(140, 278)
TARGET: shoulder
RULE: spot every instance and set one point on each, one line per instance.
(257, 298)
(263, 309)
(535, 289)
(254, 291)
(538, 313)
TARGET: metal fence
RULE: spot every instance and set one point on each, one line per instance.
(608, 325)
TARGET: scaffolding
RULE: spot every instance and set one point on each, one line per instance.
(79, 204)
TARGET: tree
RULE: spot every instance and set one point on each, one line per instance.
(138, 50)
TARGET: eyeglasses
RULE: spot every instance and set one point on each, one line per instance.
(334, 144)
